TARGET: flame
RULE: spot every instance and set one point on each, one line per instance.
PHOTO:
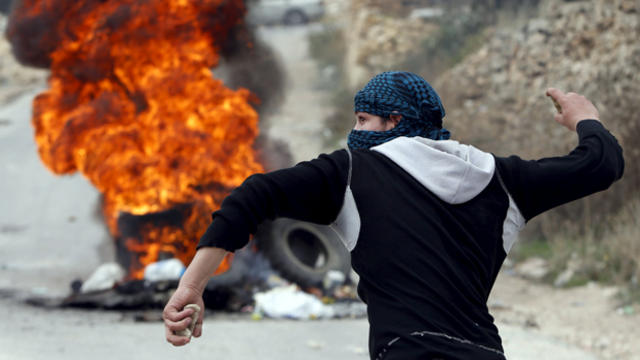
(134, 107)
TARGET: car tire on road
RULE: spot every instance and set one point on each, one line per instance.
(302, 252)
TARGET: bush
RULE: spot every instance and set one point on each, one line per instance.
(608, 254)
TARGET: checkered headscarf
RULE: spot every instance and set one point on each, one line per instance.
(402, 93)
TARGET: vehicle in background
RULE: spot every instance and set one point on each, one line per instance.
(426, 13)
(5, 6)
(288, 12)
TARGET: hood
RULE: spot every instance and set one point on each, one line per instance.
(454, 172)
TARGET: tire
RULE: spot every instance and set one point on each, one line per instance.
(295, 17)
(302, 252)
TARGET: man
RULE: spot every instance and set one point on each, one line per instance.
(428, 221)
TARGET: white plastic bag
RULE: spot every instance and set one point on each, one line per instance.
(289, 302)
(103, 278)
(170, 269)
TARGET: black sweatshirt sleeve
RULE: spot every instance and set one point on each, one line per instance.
(310, 191)
(539, 185)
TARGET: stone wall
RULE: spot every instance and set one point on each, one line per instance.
(589, 47)
(380, 34)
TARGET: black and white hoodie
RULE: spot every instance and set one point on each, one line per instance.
(428, 224)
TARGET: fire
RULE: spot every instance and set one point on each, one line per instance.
(133, 106)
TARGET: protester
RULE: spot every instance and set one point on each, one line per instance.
(428, 221)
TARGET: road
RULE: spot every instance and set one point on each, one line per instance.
(300, 120)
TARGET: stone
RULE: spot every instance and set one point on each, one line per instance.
(188, 332)
(564, 278)
(534, 268)
(531, 322)
(380, 35)
(497, 304)
(629, 6)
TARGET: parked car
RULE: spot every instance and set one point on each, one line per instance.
(288, 12)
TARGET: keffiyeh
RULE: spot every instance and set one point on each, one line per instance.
(402, 93)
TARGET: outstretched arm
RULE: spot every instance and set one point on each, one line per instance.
(539, 185)
(310, 191)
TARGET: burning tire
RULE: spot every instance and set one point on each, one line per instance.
(302, 252)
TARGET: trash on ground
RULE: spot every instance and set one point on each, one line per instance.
(625, 310)
(316, 345)
(103, 278)
(170, 269)
(332, 280)
(290, 302)
(349, 309)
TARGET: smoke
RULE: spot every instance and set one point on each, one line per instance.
(37, 27)
(34, 36)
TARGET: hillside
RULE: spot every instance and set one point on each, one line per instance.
(589, 47)
(495, 99)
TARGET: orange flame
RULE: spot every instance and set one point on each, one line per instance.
(133, 106)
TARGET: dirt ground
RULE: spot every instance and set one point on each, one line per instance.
(585, 317)
(49, 235)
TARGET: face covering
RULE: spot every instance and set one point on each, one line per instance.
(402, 93)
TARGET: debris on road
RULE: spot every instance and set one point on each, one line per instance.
(170, 269)
(290, 302)
(103, 278)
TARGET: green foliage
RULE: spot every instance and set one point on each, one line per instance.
(531, 248)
